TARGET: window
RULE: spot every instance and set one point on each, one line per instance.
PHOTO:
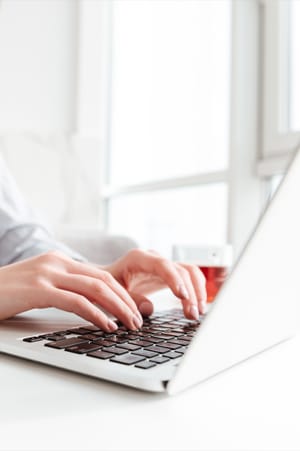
(169, 130)
(202, 112)
(281, 131)
(294, 69)
(161, 219)
(280, 89)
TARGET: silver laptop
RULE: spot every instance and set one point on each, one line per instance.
(257, 308)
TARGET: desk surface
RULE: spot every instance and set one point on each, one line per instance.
(253, 406)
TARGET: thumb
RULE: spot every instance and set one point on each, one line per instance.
(144, 305)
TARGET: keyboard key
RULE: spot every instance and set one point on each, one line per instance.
(160, 359)
(33, 339)
(180, 330)
(62, 344)
(121, 332)
(158, 349)
(170, 345)
(174, 334)
(145, 365)
(183, 321)
(109, 335)
(89, 337)
(61, 332)
(122, 340)
(117, 339)
(175, 324)
(99, 333)
(142, 334)
(131, 336)
(52, 337)
(104, 343)
(145, 353)
(79, 331)
(163, 336)
(83, 349)
(181, 342)
(103, 355)
(92, 328)
(154, 340)
(173, 355)
(143, 343)
(129, 347)
(128, 359)
(157, 329)
(115, 350)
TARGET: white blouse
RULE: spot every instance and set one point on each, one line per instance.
(21, 234)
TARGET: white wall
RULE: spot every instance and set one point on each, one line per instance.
(57, 170)
(38, 62)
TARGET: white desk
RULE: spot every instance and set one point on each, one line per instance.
(254, 406)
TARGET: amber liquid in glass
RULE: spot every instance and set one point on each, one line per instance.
(215, 277)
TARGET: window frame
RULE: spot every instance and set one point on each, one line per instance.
(110, 191)
(257, 151)
(277, 144)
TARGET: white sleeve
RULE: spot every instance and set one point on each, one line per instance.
(21, 235)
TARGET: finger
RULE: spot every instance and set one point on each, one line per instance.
(166, 270)
(144, 305)
(199, 285)
(190, 303)
(97, 273)
(179, 280)
(78, 304)
(99, 292)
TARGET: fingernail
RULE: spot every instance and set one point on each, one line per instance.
(194, 312)
(183, 291)
(137, 321)
(204, 307)
(111, 325)
(139, 315)
(146, 308)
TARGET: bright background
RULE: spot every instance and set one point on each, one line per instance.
(170, 121)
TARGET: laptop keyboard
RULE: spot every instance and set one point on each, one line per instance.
(163, 337)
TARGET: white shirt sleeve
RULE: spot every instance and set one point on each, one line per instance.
(21, 235)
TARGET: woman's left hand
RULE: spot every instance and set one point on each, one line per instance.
(144, 272)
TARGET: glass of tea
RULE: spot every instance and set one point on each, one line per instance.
(214, 261)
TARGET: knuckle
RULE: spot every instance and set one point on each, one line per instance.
(196, 271)
(97, 286)
(191, 269)
(162, 262)
(135, 253)
(77, 302)
(106, 277)
(153, 251)
(38, 281)
(183, 271)
(50, 257)
(41, 275)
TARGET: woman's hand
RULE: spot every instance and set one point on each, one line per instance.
(142, 273)
(55, 280)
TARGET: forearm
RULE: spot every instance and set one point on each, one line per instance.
(25, 240)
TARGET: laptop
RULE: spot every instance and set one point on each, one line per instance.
(256, 309)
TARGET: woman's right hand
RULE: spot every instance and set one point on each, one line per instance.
(55, 280)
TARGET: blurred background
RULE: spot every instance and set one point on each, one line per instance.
(169, 121)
